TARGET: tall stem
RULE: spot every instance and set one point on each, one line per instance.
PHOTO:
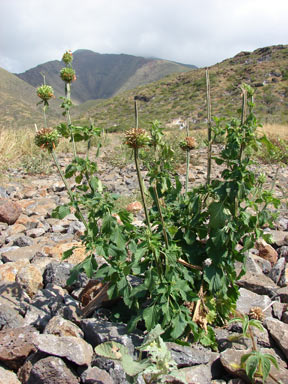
(141, 186)
(209, 127)
(136, 114)
(69, 190)
(187, 161)
(161, 216)
(68, 97)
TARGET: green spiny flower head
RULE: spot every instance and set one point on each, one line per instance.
(188, 144)
(47, 138)
(136, 138)
(67, 57)
(68, 75)
(45, 92)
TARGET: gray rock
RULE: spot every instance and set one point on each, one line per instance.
(97, 332)
(279, 332)
(37, 317)
(283, 252)
(189, 356)
(112, 367)
(200, 374)
(9, 317)
(24, 253)
(265, 265)
(36, 232)
(72, 348)
(23, 241)
(248, 299)
(94, 375)
(279, 238)
(3, 193)
(57, 273)
(278, 270)
(260, 284)
(278, 309)
(76, 227)
(51, 370)
(71, 309)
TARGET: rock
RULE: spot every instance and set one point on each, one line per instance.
(62, 327)
(13, 295)
(279, 332)
(248, 299)
(97, 332)
(30, 279)
(278, 309)
(260, 284)
(72, 348)
(23, 241)
(36, 232)
(56, 251)
(279, 238)
(278, 270)
(112, 367)
(94, 375)
(8, 377)
(24, 253)
(9, 211)
(186, 356)
(9, 317)
(200, 374)
(17, 228)
(16, 344)
(9, 271)
(57, 273)
(76, 228)
(266, 251)
(51, 370)
(134, 207)
(265, 265)
(283, 252)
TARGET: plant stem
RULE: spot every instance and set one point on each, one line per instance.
(136, 114)
(209, 127)
(69, 190)
(141, 186)
(187, 161)
(68, 97)
(44, 116)
(254, 344)
(161, 216)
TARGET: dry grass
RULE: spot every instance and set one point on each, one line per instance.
(275, 130)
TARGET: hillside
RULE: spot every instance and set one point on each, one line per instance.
(18, 102)
(183, 96)
(100, 76)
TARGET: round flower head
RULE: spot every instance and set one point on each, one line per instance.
(45, 92)
(136, 138)
(47, 138)
(68, 75)
(67, 57)
(188, 144)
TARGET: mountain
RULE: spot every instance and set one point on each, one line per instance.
(100, 76)
(183, 96)
(18, 102)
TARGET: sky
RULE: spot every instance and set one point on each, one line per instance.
(199, 32)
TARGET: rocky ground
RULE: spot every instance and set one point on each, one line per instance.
(45, 335)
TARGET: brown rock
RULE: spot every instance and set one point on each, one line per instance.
(9, 211)
(72, 348)
(266, 251)
(15, 345)
(8, 377)
(51, 370)
(30, 279)
(16, 228)
(9, 271)
(56, 251)
(61, 327)
(136, 206)
(95, 375)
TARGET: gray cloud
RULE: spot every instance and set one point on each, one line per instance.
(189, 31)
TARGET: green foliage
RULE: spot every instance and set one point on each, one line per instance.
(158, 364)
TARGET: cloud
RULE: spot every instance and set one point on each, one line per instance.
(189, 31)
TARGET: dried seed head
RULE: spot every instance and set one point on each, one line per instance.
(136, 138)
(47, 138)
(188, 144)
(67, 57)
(68, 75)
(45, 92)
(256, 313)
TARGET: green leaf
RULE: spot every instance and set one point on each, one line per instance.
(265, 366)
(150, 317)
(96, 184)
(214, 277)
(151, 336)
(68, 253)
(218, 215)
(111, 350)
(60, 212)
(251, 366)
(179, 324)
(133, 368)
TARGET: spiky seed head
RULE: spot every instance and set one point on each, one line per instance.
(188, 143)
(67, 57)
(45, 92)
(47, 138)
(256, 313)
(136, 138)
(68, 75)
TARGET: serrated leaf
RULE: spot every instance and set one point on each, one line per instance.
(179, 325)
(218, 215)
(149, 316)
(151, 336)
(251, 366)
(265, 366)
